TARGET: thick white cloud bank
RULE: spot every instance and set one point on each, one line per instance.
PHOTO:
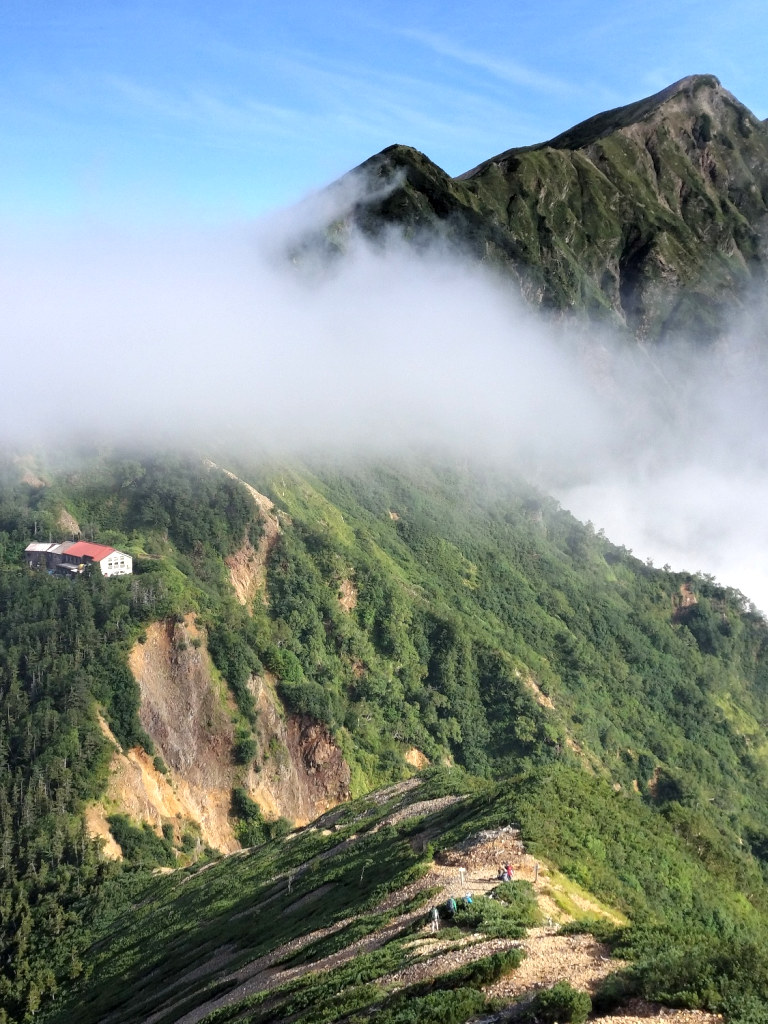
(689, 486)
(691, 517)
(214, 339)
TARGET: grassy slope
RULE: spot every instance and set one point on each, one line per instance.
(650, 215)
(472, 592)
(470, 595)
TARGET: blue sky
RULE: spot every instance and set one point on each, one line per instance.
(134, 113)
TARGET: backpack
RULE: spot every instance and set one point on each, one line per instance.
(451, 906)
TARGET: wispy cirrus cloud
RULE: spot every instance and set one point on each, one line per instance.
(203, 108)
(323, 99)
(506, 70)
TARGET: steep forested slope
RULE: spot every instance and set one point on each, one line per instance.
(63, 654)
(413, 610)
(652, 216)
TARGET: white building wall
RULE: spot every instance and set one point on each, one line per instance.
(116, 564)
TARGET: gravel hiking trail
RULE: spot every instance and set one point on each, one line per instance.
(471, 867)
(640, 1012)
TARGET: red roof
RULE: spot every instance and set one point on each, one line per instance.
(83, 549)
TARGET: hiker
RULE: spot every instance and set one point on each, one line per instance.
(468, 900)
(452, 908)
(435, 920)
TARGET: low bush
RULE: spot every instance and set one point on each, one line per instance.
(476, 974)
(494, 919)
(309, 698)
(519, 900)
(250, 827)
(448, 1007)
(245, 749)
(561, 1004)
(141, 845)
(602, 928)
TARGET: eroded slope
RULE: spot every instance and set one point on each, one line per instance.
(190, 716)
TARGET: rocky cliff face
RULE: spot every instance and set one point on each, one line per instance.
(303, 773)
(653, 216)
(188, 713)
(189, 720)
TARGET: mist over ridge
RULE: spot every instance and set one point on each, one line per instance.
(197, 338)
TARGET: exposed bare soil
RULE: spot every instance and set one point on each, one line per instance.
(682, 601)
(189, 723)
(189, 718)
(98, 828)
(396, 789)
(136, 788)
(305, 773)
(550, 958)
(68, 523)
(441, 962)
(246, 572)
(347, 595)
(415, 758)
(540, 697)
(490, 849)
(31, 479)
(416, 810)
(248, 566)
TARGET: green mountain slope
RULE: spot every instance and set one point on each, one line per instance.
(652, 216)
(331, 922)
(408, 607)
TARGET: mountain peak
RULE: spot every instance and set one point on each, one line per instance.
(695, 90)
(653, 215)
